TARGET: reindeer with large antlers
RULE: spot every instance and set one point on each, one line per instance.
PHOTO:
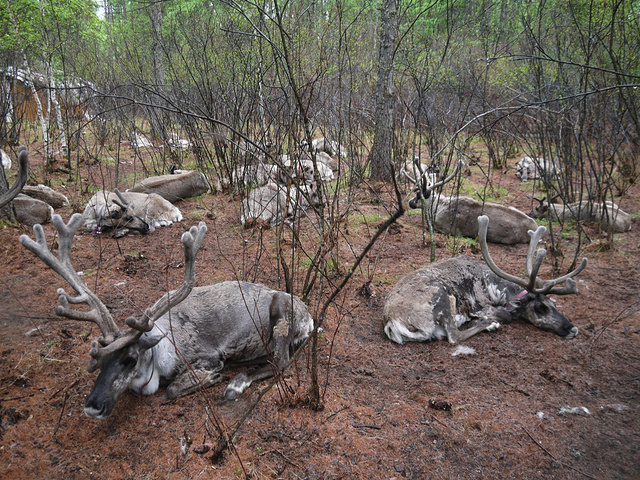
(186, 337)
(434, 301)
(456, 215)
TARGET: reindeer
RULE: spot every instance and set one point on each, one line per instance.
(321, 157)
(23, 175)
(303, 167)
(456, 215)
(272, 203)
(174, 187)
(6, 160)
(534, 168)
(128, 212)
(30, 211)
(186, 337)
(415, 172)
(607, 214)
(434, 301)
(46, 194)
(256, 175)
(322, 144)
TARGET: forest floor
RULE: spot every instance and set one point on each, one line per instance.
(527, 405)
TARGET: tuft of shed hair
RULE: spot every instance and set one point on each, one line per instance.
(464, 350)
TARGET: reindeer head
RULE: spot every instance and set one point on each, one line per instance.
(540, 210)
(123, 356)
(425, 183)
(120, 215)
(532, 304)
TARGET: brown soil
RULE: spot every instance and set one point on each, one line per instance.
(390, 411)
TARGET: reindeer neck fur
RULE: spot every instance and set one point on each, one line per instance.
(158, 365)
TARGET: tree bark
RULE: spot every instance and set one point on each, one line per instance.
(381, 156)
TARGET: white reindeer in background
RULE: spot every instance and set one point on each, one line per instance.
(534, 168)
(126, 212)
(273, 203)
(607, 214)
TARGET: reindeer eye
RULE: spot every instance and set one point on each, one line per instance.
(540, 308)
(130, 360)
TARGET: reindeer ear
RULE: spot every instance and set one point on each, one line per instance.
(150, 340)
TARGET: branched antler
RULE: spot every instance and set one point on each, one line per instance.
(123, 203)
(111, 339)
(424, 187)
(23, 174)
(533, 264)
(191, 241)
(99, 314)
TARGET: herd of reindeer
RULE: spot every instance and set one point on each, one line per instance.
(185, 339)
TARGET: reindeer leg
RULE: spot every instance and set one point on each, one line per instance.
(195, 377)
(455, 335)
(281, 317)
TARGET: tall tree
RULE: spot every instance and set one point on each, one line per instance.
(381, 155)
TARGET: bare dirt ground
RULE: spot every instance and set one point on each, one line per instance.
(390, 411)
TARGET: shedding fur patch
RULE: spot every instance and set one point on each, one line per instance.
(281, 329)
(461, 320)
(496, 296)
(464, 350)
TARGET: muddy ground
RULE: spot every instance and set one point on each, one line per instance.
(527, 405)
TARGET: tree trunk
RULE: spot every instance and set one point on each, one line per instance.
(158, 116)
(44, 122)
(158, 44)
(381, 155)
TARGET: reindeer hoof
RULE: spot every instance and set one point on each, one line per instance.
(230, 395)
(492, 326)
(236, 387)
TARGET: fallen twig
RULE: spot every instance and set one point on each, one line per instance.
(554, 458)
(374, 427)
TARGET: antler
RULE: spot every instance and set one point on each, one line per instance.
(424, 191)
(123, 203)
(111, 339)
(23, 174)
(534, 261)
(192, 240)
(449, 178)
(99, 314)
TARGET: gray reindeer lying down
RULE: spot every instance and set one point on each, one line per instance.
(187, 337)
(433, 302)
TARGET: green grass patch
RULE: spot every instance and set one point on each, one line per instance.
(357, 220)
(490, 193)
(457, 245)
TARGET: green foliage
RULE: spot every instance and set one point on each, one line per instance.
(457, 245)
(489, 193)
(47, 29)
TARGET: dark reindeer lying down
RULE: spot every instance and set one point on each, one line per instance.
(434, 301)
(187, 337)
